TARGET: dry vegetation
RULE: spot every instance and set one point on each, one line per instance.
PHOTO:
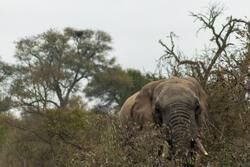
(80, 138)
(55, 129)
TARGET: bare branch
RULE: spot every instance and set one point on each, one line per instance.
(203, 68)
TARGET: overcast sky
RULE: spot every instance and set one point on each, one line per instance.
(135, 25)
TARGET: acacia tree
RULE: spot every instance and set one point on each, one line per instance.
(50, 66)
(204, 65)
(114, 85)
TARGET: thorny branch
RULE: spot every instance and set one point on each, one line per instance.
(202, 69)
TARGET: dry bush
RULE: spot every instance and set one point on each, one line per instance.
(228, 135)
(79, 138)
(76, 138)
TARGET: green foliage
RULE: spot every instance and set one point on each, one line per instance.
(51, 65)
(3, 129)
(5, 104)
(109, 85)
(6, 72)
(114, 85)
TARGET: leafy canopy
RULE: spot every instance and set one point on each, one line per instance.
(114, 85)
(52, 64)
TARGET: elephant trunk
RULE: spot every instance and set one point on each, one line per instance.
(184, 133)
(180, 125)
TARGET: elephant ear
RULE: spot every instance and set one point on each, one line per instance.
(142, 110)
(201, 94)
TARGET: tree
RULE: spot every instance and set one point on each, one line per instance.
(113, 86)
(222, 69)
(50, 66)
(6, 72)
(205, 65)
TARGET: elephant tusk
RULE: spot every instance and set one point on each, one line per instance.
(201, 147)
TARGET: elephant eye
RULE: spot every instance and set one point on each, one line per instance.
(197, 107)
(197, 113)
(158, 115)
(157, 109)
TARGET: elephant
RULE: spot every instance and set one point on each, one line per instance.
(178, 103)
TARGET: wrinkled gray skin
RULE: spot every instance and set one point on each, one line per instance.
(180, 105)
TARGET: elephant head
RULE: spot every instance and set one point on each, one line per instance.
(180, 105)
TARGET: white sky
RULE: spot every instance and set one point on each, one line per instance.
(135, 25)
